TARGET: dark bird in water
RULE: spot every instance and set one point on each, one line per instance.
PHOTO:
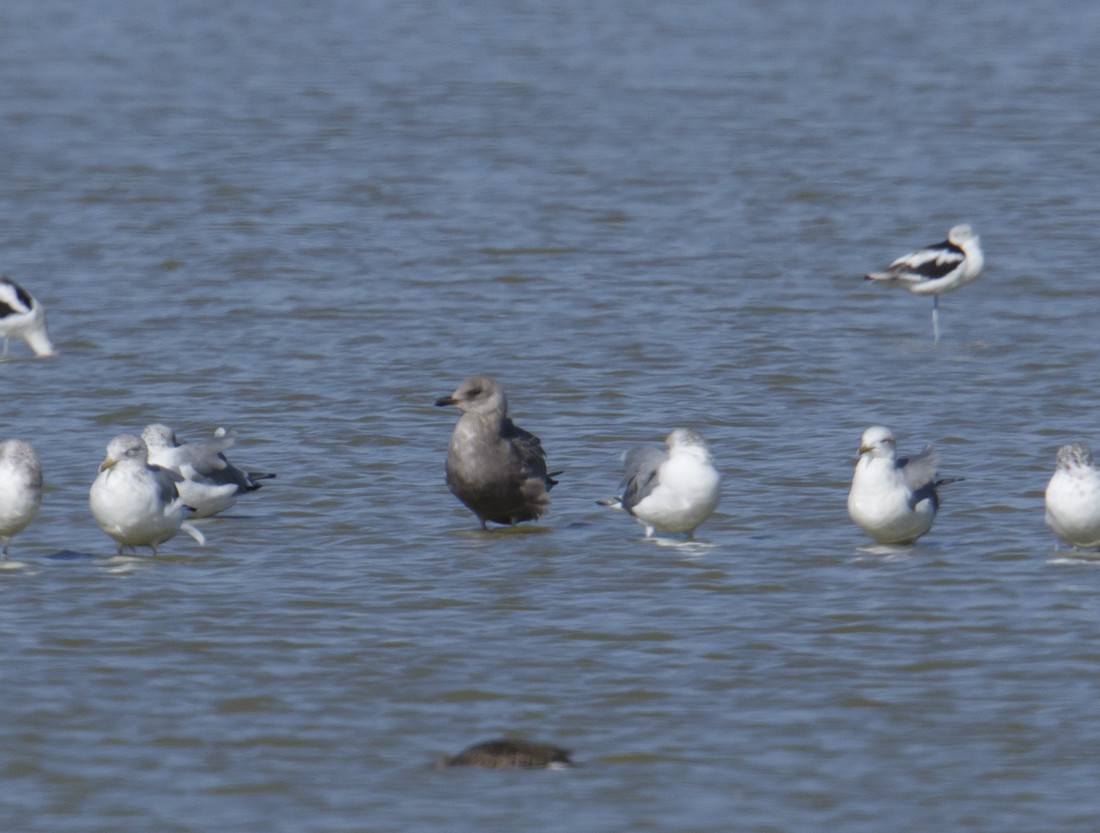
(512, 753)
(494, 467)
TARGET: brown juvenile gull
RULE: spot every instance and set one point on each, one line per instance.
(511, 753)
(210, 483)
(20, 488)
(21, 316)
(494, 467)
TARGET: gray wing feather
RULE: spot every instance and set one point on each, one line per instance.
(205, 457)
(640, 467)
(920, 470)
(166, 484)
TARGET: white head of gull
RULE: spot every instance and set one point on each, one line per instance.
(1073, 497)
(20, 489)
(494, 467)
(135, 503)
(937, 268)
(671, 490)
(894, 500)
(21, 316)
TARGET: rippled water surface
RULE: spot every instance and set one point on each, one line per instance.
(309, 221)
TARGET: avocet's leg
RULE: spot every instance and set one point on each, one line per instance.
(936, 319)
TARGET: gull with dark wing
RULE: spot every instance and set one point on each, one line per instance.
(494, 467)
(938, 268)
(21, 316)
(669, 491)
(209, 483)
(137, 504)
(892, 499)
(20, 489)
(1073, 497)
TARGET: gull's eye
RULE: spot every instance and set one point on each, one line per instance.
(472, 392)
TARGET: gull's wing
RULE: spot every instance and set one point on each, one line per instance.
(640, 467)
(529, 449)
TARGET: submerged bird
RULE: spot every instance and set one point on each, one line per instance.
(20, 489)
(938, 268)
(135, 503)
(893, 500)
(494, 467)
(1073, 497)
(512, 753)
(669, 491)
(208, 483)
(21, 316)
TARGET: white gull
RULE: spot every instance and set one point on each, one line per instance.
(20, 488)
(209, 483)
(135, 503)
(893, 500)
(669, 491)
(1073, 497)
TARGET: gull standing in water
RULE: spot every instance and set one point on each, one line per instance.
(938, 268)
(20, 489)
(494, 467)
(21, 316)
(669, 491)
(893, 500)
(135, 503)
(209, 483)
(1073, 497)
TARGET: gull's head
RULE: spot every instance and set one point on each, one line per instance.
(687, 441)
(124, 447)
(878, 441)
(1074, 455)
(478, 394)
(157, 435)
(19, 452)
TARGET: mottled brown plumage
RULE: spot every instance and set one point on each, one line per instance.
(494, 467)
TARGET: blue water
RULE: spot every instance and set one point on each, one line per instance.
(310, 221)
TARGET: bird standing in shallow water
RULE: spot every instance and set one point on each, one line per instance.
(21, 316)
(1073, 497)
(135, 503)
(669, 491)
(893, 500)
(494, 467)
(208, 483)
(20, 489)
(938, 268)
